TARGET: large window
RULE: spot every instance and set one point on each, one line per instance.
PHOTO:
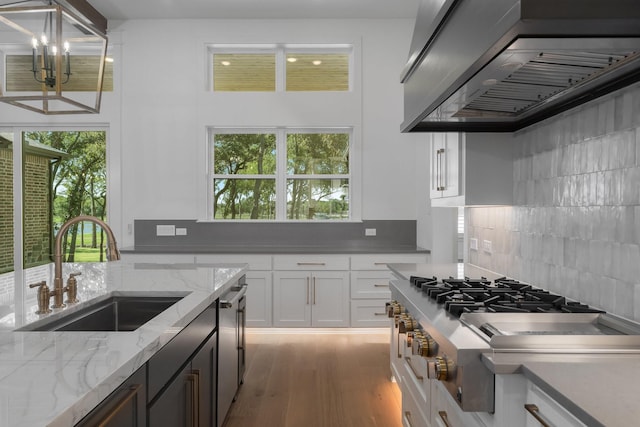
(280, 174)
(290, 68)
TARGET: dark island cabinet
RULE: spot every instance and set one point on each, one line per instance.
(189, 399)
(125, 407)
(177, 387)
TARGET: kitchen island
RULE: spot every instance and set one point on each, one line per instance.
(56, 378)
(578, 388)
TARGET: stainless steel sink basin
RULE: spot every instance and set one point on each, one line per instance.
(114, 314)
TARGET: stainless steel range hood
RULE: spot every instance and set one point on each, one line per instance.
(501, 65)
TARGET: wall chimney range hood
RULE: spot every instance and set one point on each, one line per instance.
(502, 65)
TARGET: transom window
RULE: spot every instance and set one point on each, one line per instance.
(275, 68)
(280, 174)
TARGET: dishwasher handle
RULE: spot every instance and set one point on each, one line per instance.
(229, 303)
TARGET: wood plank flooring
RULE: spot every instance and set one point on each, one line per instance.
(307, 378)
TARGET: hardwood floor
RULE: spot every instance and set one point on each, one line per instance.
(305, 378)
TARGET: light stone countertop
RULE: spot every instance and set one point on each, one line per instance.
(598, 389)
(56, 378)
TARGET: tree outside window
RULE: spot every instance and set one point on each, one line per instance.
(312, 184)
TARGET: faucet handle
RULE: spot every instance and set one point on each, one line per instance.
(43, 297)
(72, 288)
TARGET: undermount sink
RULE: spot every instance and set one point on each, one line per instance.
(114, 314)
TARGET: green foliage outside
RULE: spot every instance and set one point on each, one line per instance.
(249, 162)
(78, 188)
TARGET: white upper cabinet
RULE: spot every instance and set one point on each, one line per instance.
(471, 169)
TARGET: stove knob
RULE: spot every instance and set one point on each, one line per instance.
(439, 369)
(425, 346)
(394, 309)
(407, 324)
(410, 338)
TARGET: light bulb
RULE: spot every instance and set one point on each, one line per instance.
(54, 49)
(43, 39)
(66, 47)
(34, 43)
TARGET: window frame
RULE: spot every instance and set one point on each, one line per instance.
(281, 175)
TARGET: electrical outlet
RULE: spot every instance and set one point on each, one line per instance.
(165, 230)
(473, 244)
(486, 246)
(369, 231)
(181, 231)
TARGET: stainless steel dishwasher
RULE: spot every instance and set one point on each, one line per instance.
(231, 348)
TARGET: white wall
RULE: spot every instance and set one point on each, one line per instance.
(158, 114)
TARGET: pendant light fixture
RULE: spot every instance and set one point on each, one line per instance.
(61, 45)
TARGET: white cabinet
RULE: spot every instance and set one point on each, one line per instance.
(311, 290)
(445, 165)
(259, 284)
(311, 298)
(541, 409)
(370, 286)
(158, 258)
(471, 169)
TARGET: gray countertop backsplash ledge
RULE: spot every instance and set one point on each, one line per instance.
(265, 237)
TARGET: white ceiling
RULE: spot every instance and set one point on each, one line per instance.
(255, 9)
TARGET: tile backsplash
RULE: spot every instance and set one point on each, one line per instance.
(575, 224)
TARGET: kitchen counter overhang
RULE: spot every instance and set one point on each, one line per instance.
(56, 378)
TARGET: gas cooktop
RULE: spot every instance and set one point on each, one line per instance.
(481, 295)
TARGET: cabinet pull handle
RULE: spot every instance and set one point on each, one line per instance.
(379, 263)
(308, 291)
(381, 285)
(379, 314)
(413, 371)
(445, 418)
(133, 392)
(535, 412)
(314, 291)
(311, 263)
(194, 380)
(407, 416)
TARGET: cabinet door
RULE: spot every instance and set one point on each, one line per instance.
(176, 405)
(259, 301)
(330, 299)
(445, 165)
(125, 407)
(204, 366)
(291, 298)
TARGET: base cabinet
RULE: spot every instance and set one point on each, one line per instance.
(125, 407)
(306, 299)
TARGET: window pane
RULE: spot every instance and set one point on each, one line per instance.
(242, 72)
(84, 76)
(64, 177)
(318, 153)
(244, 198)
(6, 209)
(320, 199)
(317, 72)
(244, 154)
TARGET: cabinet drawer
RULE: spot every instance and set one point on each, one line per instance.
(547, 409)
(370, 284)
(170, 358)
(380, 261)
(446, 411)
(311, 262)
(412, 412)
(368, 313)
(256, 262)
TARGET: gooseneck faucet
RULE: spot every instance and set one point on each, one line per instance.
(112, 254)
